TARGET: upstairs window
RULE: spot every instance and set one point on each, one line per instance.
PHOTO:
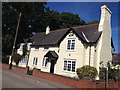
(71, 44)
(35, 60)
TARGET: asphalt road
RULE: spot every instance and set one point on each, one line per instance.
(12, 79)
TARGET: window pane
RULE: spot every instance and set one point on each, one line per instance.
(33, 61)
(69, 41)
(73, 66)
(69, 67)
(36, 61)
(71, 44)
(65, 65)
(73, 41)
(68, 47)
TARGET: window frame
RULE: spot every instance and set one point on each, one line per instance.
(45, 62)
(69, 65)
(71, 44)
(35, 61)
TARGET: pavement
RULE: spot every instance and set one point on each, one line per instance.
(13, 79)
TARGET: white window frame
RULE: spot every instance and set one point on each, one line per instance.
(45, 62)
(71, 65)
(71, 44)
(35, 61)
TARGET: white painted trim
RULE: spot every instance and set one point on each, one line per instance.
(67, 59)
(85, 37)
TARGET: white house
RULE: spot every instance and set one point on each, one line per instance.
(24, 60)
(63, 51)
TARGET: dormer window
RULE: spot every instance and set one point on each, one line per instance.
(36, 48)
(71, 44)
(46, 48)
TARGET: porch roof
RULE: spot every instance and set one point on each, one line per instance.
(51, 54)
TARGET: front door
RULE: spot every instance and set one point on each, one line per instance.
(52, 66)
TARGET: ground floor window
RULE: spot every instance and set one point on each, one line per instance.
(35, 60)
(69, 65)
(45, 61)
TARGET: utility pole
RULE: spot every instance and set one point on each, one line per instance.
(107, 69)
(10, 66)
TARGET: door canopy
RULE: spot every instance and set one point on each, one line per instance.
(52, 54)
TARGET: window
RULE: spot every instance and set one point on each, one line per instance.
(69, 65)
(46, 48)
(71, 45)
(36, 48)
(45, 61)
(35, 60)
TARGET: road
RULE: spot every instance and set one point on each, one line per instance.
(12, 79)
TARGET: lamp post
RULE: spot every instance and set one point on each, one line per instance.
(10, 66)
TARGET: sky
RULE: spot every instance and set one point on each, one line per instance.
(89, 11)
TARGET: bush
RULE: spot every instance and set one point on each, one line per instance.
(87, 71)
(113, 73)
(16, 57)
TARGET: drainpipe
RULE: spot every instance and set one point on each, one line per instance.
(89, 55)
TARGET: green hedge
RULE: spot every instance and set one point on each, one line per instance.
(87, 71)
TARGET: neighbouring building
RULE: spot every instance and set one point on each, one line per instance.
(63, 51)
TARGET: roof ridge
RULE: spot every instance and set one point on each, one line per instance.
(69, 28)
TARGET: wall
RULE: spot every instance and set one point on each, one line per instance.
(80, 54)
(40, 55)
(77, 54)
(104, 43)
(83, 83)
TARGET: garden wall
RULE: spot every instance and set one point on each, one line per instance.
(85, 83)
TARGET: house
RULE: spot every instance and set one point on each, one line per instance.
(63, 51)
(19, 51)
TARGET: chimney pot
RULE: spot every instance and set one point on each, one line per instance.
(47, 30)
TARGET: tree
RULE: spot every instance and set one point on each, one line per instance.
(30, 21)
(35, 18)
(93, 22)
(113, 72)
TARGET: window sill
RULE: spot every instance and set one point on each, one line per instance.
(70, 50)
(69, 72)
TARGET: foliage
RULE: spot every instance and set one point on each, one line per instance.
(87, 71)
(113, 72)
(35, 18)
(16, 57)
(25, 49)
(93, 22)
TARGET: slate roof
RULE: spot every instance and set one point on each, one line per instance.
(37, 36)
(55, 37)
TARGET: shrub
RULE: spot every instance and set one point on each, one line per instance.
(16, 57)
(113, 73)
(87, 71)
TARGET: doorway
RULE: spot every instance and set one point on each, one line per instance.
(52, 66)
